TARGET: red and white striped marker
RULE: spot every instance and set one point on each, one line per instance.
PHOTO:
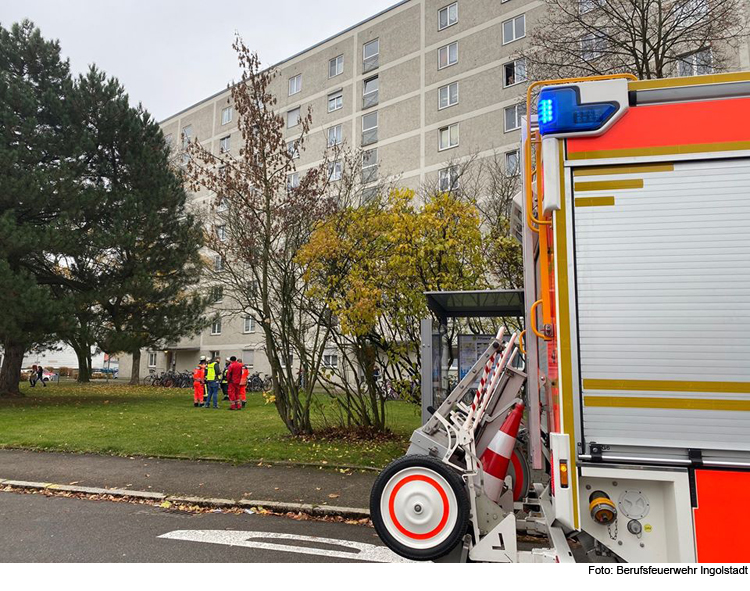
(497, 456)
(483, 382)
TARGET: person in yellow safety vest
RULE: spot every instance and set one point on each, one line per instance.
(213, 374)
(224, 383)
(199, 382)
(243, 383)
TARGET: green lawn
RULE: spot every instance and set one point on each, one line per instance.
(141, 420)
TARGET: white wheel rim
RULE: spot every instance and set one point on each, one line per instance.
(419, 508)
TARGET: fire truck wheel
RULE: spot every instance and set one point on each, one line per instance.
(419, 507)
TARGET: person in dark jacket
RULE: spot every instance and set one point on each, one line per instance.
(224, 384)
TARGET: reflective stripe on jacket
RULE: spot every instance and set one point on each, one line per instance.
(198, 374)
(243, 379)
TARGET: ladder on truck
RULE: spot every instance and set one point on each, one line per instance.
(453, 478)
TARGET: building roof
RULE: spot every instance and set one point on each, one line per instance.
(299, 53)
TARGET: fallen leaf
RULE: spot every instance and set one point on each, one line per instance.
(333, 496)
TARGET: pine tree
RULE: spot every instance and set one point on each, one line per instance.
(143, 256)
(36, 151)
(96, 245)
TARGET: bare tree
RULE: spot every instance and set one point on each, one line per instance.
(648, 38)
(265, 212)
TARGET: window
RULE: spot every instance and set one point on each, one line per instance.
(287, 361)
(216, 326)
(187, 134)
(293, 149)
(689, 12)
(369, 128)
(226, 115)
(514, 73)
(151, 359)
(334, 171)
(511, 163)
(593, 46)
(696, 63)
(295, 84)
(370, 55)
(330, 360)
(448, 96)
(249, 325)
(248, 358)
(336, 66)
(214, 355)
(447, 16)
(293, 117)
(223, 204)
(513, 116)
(218, 263)
(221, 233)
(370, 166)
(514, 29)
(168, 140)
(448, 137)
(224, 144)
(334, 136)
(335, 101)
(370, 92)
(216, 294)
(585, 6)
(448, 55)
(448, 179)
(292, 181)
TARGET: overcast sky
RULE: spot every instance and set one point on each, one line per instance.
(170, 54)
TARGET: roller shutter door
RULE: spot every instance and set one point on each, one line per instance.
(663, 296)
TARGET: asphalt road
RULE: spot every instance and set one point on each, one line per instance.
(37, 528)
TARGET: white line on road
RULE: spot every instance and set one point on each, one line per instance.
(255, 539)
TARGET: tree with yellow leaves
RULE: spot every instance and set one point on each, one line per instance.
(371, 265)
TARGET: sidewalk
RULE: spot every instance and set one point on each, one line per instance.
(192, 478)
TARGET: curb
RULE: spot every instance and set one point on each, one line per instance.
(275, 506)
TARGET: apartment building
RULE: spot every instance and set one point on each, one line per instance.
(420, 86)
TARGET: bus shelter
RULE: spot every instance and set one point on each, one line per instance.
(445, 305)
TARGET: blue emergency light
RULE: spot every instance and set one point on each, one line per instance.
(560, 111)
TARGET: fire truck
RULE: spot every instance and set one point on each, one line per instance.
(633, 397)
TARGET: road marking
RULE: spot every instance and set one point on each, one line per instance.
(254, 539)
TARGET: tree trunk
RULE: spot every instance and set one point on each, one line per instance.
(10, 374)
(84, 363)
(135, 372)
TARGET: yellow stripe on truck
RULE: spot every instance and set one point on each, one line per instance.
(609, 185)
(668, 386)
(594, 201)
(622, 169)
(666, 403)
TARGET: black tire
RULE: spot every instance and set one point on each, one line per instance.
(462, 507)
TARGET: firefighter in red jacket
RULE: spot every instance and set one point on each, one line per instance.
(199, 383)
(243, 383)
(234, 375)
